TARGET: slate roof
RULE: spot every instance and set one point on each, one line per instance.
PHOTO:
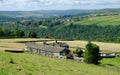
(50, 48)
(60, 44)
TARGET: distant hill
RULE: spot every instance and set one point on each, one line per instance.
(113, 20)
(66, 24)
(54, 13)
(47, 13)
(42, 13)
(30, 15)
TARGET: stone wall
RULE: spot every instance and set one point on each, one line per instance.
(39, 51)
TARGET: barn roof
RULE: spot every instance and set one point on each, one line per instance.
(60, 44)
(44, 47)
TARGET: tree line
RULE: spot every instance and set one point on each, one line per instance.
(60, 28)
(70, 32)
(74, 32)
(17, 33)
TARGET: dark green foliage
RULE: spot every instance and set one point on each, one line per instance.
(32, 34)
(18, 33)
(79, 52)
(62, 27)
(1, 32)
(117, 39)
(62, 31)
(7, 33)
(91, 54)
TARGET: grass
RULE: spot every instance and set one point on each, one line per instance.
(30, 64)
(111, 61)
(100, 21)
(42, 26)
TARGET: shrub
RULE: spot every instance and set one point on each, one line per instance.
(91, 54)
(79, 52)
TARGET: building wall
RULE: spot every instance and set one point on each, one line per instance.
(39, 51)
(48, 53)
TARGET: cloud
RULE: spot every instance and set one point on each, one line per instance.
(16, 4)
(57, 4)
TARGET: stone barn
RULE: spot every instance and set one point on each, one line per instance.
(57, 49)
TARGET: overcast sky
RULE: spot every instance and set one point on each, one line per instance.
(57, 4)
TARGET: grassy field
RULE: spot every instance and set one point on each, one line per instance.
(111, 61)
(30, 64)
(101, 20)
(16, 44)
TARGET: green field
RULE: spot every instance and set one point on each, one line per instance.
(100, 20)
(111, 61)
(30, 64)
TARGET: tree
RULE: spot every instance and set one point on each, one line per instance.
(1, 32)
(18, 33)
(32, 34)
(79, 52)
(7, 33)
(91, 54)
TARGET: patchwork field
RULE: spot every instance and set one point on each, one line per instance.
(113, 20)
(19, 44)
(32, 64)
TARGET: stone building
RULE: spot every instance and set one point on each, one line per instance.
(57, 49)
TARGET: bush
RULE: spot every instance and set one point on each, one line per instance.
(32, 34)
(79, 52)
(91, 54)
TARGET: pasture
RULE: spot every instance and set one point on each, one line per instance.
(100, 21)
(111, 61)
(32, 64)
(19, 44)
(22, 63)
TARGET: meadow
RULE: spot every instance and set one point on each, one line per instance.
(100, 21)
(111, 61)
(32, 64)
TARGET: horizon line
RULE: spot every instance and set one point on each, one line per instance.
(60, 9)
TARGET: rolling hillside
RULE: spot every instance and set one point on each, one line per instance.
(43, 13)
(113, 20)
(30, 64)
(94, 25)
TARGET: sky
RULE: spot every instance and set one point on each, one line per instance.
(28, 5)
